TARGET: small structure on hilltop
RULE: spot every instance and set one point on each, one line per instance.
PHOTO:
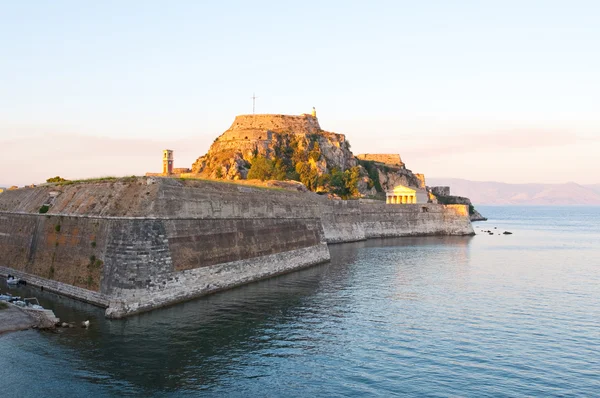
(168, 169)
(167, 162)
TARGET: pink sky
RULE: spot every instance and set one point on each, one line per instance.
(506, 91)
(506, 154)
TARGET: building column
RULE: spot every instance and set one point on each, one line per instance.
(403, 199)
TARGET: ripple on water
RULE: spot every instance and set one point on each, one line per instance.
(512, 315)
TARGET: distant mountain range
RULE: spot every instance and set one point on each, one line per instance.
(499, 193)
(594, 187)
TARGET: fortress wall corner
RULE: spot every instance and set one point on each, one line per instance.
(200, 238)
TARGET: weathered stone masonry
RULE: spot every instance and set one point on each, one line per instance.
(195, 238)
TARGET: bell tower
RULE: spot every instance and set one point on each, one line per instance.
(167, 162)
(314, 112)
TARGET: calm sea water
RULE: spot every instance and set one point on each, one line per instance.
(489, 315)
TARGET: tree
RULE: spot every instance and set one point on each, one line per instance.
(279, 170)
(315, 154)
(308, 176)
(261, 169)
(337, 183)
(266, 169)
(351, 177)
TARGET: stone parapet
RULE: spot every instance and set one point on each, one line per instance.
(306, 124)
(387, 159)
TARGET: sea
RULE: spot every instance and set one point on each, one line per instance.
(492, 315)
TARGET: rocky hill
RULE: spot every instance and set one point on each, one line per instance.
(294, 147)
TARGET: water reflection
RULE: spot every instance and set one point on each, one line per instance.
(199, 343)
(483, 315)
(190, 344)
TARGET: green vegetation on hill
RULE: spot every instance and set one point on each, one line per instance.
(267, 169)
(296, 158)
(373, 172)
(56, 179)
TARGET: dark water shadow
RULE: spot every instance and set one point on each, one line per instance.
(197, 344)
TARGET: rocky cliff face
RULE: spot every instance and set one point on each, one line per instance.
(273, 136)
(297, 148)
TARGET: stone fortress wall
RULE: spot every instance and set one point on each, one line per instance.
(387, 159)
(143, 243)
(306, 124)
(440, 191)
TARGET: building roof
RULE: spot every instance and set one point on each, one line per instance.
(402, 190)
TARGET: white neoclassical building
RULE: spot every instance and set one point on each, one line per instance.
(403, 195)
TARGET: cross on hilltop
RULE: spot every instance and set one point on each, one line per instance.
(254, 97)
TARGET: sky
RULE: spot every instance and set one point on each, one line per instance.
(491, 91)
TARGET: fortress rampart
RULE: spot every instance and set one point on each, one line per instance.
(387, 159)
(280, 123)
(255, 127)
(135, 245)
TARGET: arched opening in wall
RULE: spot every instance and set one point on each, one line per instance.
(424, 209)
(246, 137)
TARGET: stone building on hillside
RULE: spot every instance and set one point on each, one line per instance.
(406, 195)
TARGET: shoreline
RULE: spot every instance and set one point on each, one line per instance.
(15, 319)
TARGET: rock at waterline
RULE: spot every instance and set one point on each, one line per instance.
(507, 233)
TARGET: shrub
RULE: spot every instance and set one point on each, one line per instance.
(373, 174)
(57, 227)
(56, 179)
(44, 209)
(266, 169)
(261, 169)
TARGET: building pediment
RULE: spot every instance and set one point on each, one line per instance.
(402, 190)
